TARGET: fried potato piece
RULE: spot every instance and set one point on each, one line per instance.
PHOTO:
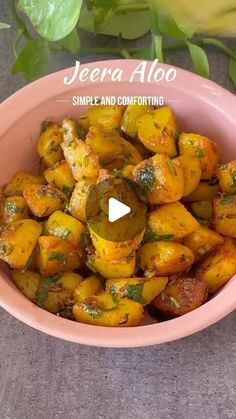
(56, 255)
(77, 205)
(116, 268)
(202, 209)
(172, 220)
(101, 310)
(130, 117)
(49, 144)
(226, 174)
(43, 200)
(14, 209)
(109, 117)
(181, 296)
(56, 293)
(192, 172)
(141, 290)
(219, 267)
(19, 181)
(87, 288)
(157, 130)
(224, 215)
(17, 242)
(202, 241)
(160, 178)
(113, 151)
(27, 282)
(65, 227)
(204, 191)
(60, 176)
(164, 258)
(203, 148)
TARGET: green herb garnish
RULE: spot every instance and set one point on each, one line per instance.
(12, 208)
(146, 177)
(45, 286)
(171, 166)
(199, 152)
(58, 256)
(67, 190)
(150, 236)
(135, 292)
(227, 199)
(85, 239)
(175, 302)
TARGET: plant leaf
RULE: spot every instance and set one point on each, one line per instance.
(4, 25)
(232, 70)
(199, 59)
(52, 19)
(33, 59)
(71, 42)
(169, 27)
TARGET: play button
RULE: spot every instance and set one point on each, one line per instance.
(116, 210)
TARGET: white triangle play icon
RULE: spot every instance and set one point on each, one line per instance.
(117, 210)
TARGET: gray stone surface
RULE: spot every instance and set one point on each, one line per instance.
(44, 378)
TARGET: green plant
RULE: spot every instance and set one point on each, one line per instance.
(48, 26)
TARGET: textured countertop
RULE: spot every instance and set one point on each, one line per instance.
(42, 377)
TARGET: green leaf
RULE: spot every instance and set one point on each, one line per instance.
(71, 42)
(199, 59)
(135, 292)
(232, 70)
(4, 25)
(53, 19)
(33, 59)
(169, 27)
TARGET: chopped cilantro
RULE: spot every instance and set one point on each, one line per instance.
(85, 239)
(175, 302)
(45, 286)
(57, 256)
(67, 190)
(199, 152)
(135, 292)
(12, 208)
(150, 236)
(227, 199)
(171, 166)
(146, 177)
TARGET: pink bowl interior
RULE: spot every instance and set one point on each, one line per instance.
(200, 106)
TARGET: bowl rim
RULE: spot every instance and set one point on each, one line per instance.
(23, 309)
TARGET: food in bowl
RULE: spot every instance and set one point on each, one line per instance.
(186, 252)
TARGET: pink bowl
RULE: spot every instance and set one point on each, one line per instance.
(200, 106)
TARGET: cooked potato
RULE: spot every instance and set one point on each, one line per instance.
(17, 242)
(60, 176)
(203, 148)
(56, 293)
(219, 267)
(82, 161)
(181, 296)
(130, 117)
(192, 172)
(157, 130)
(108, 250)
(113, 151)
(205, 191)
(117, 268)
(43, 200)
(226, 174)
(14, 209)
(224, 215)
(172, 220)
(202, 241)
(56, 255)
(141, 290)
(127, 171)
(108, 117)
(87, 288)
(203, 210)
(161, 179)
(19, 181)
(49, 144)
(77, 205)
(102, 310)
(28, 283)
(65, 227)
(164, 258)
(69, 130)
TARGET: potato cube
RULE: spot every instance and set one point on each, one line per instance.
(130, 117)
(224, 215)
(49, 144)
(192, 172)
(117, 268)
(108, 117)
(28, 283)
(202, 210)
(202, 241)
(65, 227)
(14, 209)
(19, 181)
(60, 176)
(226, 174)
(43, 200)
(205, 190)
(77, 205)
(87, 288)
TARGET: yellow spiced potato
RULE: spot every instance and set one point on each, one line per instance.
(181, 296)
(104, 310)
(164, 258)
(218, 267)
(160, 178)
(224, 215)
(127, 220)
(141, 290)
(157, 130)
(17, 242)
(171, 221)
(226, 174)
(192, 172)
(202, 241)
(18, 183)
(56, 255)
(49, 144)
(204, 149)
(43, 200)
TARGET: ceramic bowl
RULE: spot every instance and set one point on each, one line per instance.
(200, 105)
